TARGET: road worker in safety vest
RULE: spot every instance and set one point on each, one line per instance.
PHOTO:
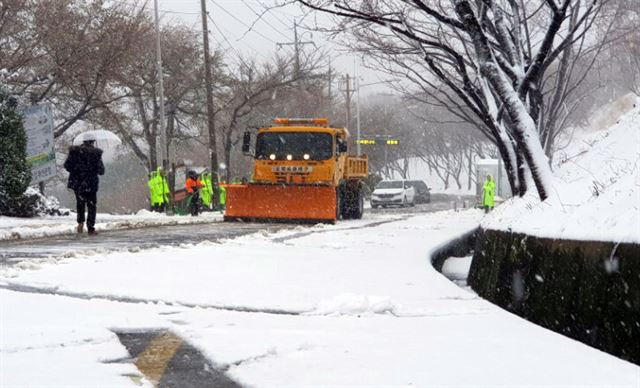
(488, 193)
(158, 190)
(193, 186)
(206, 193)
(222, 195)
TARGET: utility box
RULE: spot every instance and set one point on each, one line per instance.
(495, 168)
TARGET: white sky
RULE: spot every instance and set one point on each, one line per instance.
(234, 17)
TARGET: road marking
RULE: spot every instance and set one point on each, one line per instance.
(167, 361)
(153, 361)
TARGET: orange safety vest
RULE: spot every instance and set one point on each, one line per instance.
(191, 184)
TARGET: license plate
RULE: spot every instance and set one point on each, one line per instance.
(297, 169)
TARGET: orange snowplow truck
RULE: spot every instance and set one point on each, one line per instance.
(301, 171)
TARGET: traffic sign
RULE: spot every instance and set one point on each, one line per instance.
(367, 141)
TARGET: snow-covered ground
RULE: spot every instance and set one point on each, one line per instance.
(361, 303)
(597, 186)
(12, 228)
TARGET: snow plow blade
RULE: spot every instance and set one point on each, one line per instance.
(280, 202)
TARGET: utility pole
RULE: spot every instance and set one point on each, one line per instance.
(357, 85)
(209, 86)
(296, 48)
(330, 76)
(348, 100)
(348, 93)
(163, 130)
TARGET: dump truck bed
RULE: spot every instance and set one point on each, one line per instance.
(357, 167)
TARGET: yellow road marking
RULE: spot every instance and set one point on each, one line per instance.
(153, 361)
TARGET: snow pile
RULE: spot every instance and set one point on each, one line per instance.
(46, 205)
(13, 228)
(597, 190)
(353, 304)
(457, 268)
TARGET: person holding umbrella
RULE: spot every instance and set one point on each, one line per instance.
(84, 164)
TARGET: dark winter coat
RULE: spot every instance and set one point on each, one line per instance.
(84, 164)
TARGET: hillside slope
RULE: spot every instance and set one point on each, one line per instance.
(596, 193)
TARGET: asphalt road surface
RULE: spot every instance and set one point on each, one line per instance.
(12, 252)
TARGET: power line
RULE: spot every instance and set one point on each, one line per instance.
(231, 46)
(260, 18)
(275, 9)
(243, 23)
(180, 12)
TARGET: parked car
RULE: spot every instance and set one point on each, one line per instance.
(393, 192)
(423, 192)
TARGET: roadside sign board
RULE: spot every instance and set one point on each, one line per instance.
(41, 156)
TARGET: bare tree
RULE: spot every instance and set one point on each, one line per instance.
(136, 117)
(626, 52)
(69, 52)
(484, 57)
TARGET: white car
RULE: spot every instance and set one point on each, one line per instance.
(396, 192)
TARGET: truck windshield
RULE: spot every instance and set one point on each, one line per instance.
(389, 185)
(278, 145)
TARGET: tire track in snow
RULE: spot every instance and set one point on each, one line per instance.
(55, 291)
(363, 226)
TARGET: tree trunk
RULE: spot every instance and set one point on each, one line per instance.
(523, 126)
(522, 176)
(227, 153)
(153, 151)
(470, 169)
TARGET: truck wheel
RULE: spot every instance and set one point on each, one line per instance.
(350, 201)
(359, 209)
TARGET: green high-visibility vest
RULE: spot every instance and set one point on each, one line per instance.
(158, 188)
(488, 192)
(206, 192)
(223, 195)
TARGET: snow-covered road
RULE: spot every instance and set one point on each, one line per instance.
(350, 304)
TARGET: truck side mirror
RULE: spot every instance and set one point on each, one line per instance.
(246, 143)
(342, 147)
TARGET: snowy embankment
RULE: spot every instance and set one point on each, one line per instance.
(350, 304)
(12, 228)
(596, 193)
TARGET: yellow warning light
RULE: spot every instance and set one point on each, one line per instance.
(367, 141)
(393, 142)
(318, 121)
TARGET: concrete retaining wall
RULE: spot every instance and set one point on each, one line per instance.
(589, 291)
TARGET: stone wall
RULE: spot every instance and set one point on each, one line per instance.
(586, 290)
